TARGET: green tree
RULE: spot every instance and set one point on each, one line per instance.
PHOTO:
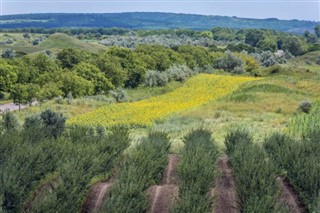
(293, 45)
(77, 85)
(70, 57)
(8, 76)
(253, 37)
(19, 94)
(92, 73)
(49, 91)
(54, 123)
(111, 67)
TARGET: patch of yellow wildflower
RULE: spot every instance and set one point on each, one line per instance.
(194, 93)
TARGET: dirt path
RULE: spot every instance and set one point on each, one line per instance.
(225, 189)
(290, 197)
(13, 107)
(161, 197)
(96, 196)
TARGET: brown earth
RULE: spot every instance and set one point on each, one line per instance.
(162, 197)
(96, 197)
(225, 189)
(290, 197)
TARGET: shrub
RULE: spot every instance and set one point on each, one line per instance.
(228, 62)
(9, 121)
(300, 162)
(2, 96)
(54, 123)
(305, 106)
(196, 172)
(179, 73)
(142, 168)
(119, 95)
(267, 59)
(259, 193)
(156, 78)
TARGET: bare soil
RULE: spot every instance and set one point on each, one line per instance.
(225, 189)
(162, 197)
(290, 197)
(96, 196)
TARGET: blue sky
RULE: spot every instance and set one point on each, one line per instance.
(282, 9)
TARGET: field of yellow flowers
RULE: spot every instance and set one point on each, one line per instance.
(194, 93)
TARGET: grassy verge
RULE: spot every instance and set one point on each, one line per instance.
(141, 169)
(196, 172)
(255, 175)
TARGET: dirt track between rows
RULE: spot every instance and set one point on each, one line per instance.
(225, 189)
(96, 197)
(162, 197)
(290, 197)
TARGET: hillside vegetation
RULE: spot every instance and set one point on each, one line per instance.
(150, 20)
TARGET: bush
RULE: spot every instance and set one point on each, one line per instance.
(142, 167)
(179, 73)
(156, 78)
(2, 96)
(259, 193)
(196, 172)
(54, 123)
(9, 121)
(300, 161)
(267, 59)
(305, 106)
(228, 62)
(119, 95)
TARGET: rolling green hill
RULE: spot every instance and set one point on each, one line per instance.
(149, 20)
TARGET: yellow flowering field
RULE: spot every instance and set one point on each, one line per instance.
(194, 93)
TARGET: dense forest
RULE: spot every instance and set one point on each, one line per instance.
(150, 20)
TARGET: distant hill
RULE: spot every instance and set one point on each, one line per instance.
(149, 20)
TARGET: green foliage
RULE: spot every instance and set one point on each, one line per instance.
(196, 172)
(305, 106)
(61, 169)
(9, 122)
(8, 77)
(300, 162)
(54, 123)
(77, 85)
(304, 124)
(156, 79)
(91, 73)
(70, 57)
(293, 45)
(259, 192)
(119, 95)
(254, 37)
(229, 62)
(141, 168)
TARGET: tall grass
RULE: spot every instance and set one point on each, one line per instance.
(304, 124)
(255, 175)
(196, 172)
(300, 161)
(142, 168)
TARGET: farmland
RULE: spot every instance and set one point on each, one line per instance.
(159, 121)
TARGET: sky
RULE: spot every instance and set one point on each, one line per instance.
(281, 9)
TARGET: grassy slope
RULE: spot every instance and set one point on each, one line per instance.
(262, 106)
(60, 41)
(53, 43)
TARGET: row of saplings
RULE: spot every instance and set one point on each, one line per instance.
(46, 172)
